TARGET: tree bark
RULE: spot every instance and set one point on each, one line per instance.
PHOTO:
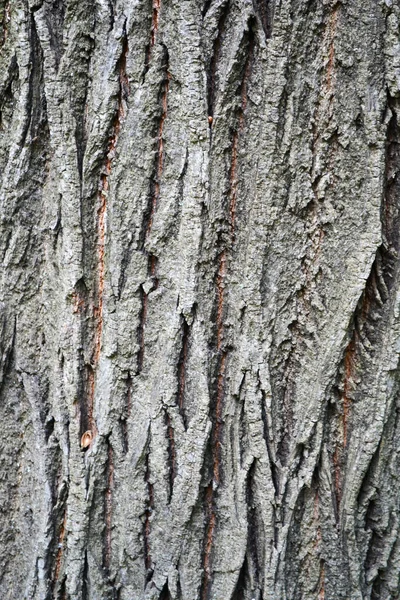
(200, 299)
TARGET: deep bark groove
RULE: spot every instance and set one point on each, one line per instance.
(221, 349)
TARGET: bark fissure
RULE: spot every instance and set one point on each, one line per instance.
(127, 413)
(60, 550)
(197, 285)
(222, 350)
(148, 563)
(265, 10)
(155, 16)
(104, 186)
(378, 294)
(182, 370)
(151, 210)
(213, 68)
(171, 454)
(108, 508)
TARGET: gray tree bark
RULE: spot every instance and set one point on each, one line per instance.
(200, 299)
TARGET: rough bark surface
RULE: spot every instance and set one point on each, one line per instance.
(200, 299)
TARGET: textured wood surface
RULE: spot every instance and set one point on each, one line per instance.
(200, 299)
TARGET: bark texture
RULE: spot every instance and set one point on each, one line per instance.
(200, 299)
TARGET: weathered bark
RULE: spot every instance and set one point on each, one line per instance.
(200, 299)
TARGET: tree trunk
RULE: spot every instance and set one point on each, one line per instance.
(200, 299)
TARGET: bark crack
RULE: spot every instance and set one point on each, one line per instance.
(221, 350)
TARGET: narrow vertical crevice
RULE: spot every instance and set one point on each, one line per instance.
(376, 299)
(265, 10)
(108, 505)
(272, 462)
(213, 68)
(210, 515)
(159, 156)
(171, 454)
(206, 8)
(147, 518)
(155, 17)
(63, 589)
(141, 328)
(126, 413)
(321, 583)
(80, 307)
(85, 579)
(221, 348)
(233, 174)
(239, 592)
(165, 594)
(5, 18)
(104, 186)
(182, 370)
(253, 541)
(55, 23)
(79, 101)
(60, 536)
(103, 192)
(151, 209)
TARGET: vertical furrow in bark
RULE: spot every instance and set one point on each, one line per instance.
(182, 370)
(141, 326)
(252, 551)
(5, 17)
(127, 413)
(155, 17)
(108, 502)
(147, 517)
(149, 216)
(60, 550)
(165, 595)
(212, 72)
(265, 10)
(104, 186)
(85, 578)
(367, 328)
(321, 165)
(171, 454)
(221, 307)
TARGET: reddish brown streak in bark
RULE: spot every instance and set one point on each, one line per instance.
(331, 56)
(154, 21)
(317, 547)
(60, 550)
(218, 418)
(104, 188)
(349, 362)
(101, 230)
(217, 431)
(108, 509)
(148, 511)
(220, 298)
(90, 382)
(153, 33)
